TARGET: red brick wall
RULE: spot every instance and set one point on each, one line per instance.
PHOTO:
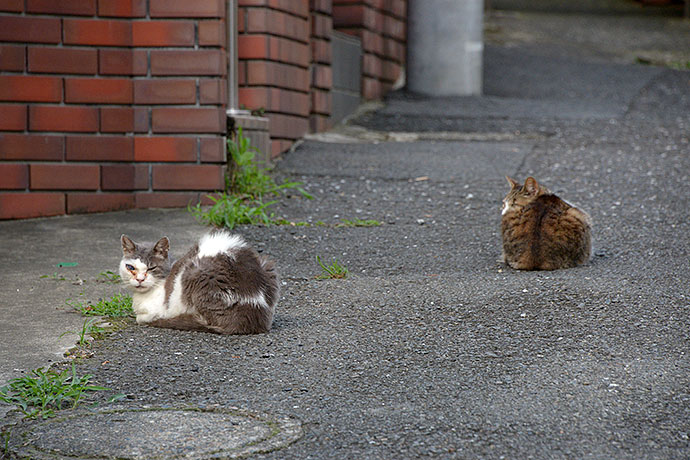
(110, 104)
(285, 57)
(275, 56)
(118, 104)
(382, 27)
(321, 75)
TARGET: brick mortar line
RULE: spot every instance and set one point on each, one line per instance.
(382, 57)
(270, 8)
(107, 47)
(146, 18)
(290, 140)
(277, 87)
(117, 105)
(277, 62)
(384, 11)
(109, 162)
(390, 37)
(380, 33)
(307, 20)
(131, 134)
(285, 114)
(272, 34)
(387, 59)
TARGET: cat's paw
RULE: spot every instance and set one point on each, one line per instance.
(145, 318)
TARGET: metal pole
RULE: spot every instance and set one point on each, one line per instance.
(233, 107)
(445, 47)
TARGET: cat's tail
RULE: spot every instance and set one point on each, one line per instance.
(185, 322)
(219, 242)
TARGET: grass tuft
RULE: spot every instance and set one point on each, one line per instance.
(119, 306)
(679, 65)
(246, 185)
(45, 392)
(90, 328)
(332, 271)
(108, 276)
(358, 223)
(247, 177)
(55, 277)
(230, 211)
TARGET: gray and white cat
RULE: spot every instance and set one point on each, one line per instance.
(220, 285)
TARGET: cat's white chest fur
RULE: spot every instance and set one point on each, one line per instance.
(176, 305)
(149, 305)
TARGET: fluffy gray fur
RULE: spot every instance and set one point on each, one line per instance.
(233, 291)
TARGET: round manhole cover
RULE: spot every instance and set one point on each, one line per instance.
(155, 434)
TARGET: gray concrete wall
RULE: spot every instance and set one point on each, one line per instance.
(347, 75)
(256, 129)
(445, 47)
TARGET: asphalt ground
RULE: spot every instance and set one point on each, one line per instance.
(431, 347)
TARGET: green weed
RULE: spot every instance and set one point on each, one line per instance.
(55, 277)
(90, 328)
(358, 223)
(246, 184)
(677, 65)
(108, 276)
(680, 65)
(292, 223)
(45, 392)
(332, 271)
(119, 306)
(258, 112)
(230, 211)
(6, 442)
(247, 177)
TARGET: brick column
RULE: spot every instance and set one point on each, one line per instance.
(381, 26)
(274, 54)
(321, 71)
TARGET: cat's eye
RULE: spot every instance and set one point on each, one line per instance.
(151, 268)
(129, 267)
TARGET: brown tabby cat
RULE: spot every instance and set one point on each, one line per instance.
(541, 231)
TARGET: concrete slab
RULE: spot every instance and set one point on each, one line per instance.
(439, 161)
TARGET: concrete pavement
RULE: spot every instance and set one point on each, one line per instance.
(432, 347)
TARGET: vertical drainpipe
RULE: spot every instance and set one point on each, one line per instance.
(233, 107)
(255, 128)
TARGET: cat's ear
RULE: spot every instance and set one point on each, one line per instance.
(162, 247)
(531, 186)
(513, 183)
(128, 246)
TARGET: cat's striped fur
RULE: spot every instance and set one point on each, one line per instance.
(541, 231)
